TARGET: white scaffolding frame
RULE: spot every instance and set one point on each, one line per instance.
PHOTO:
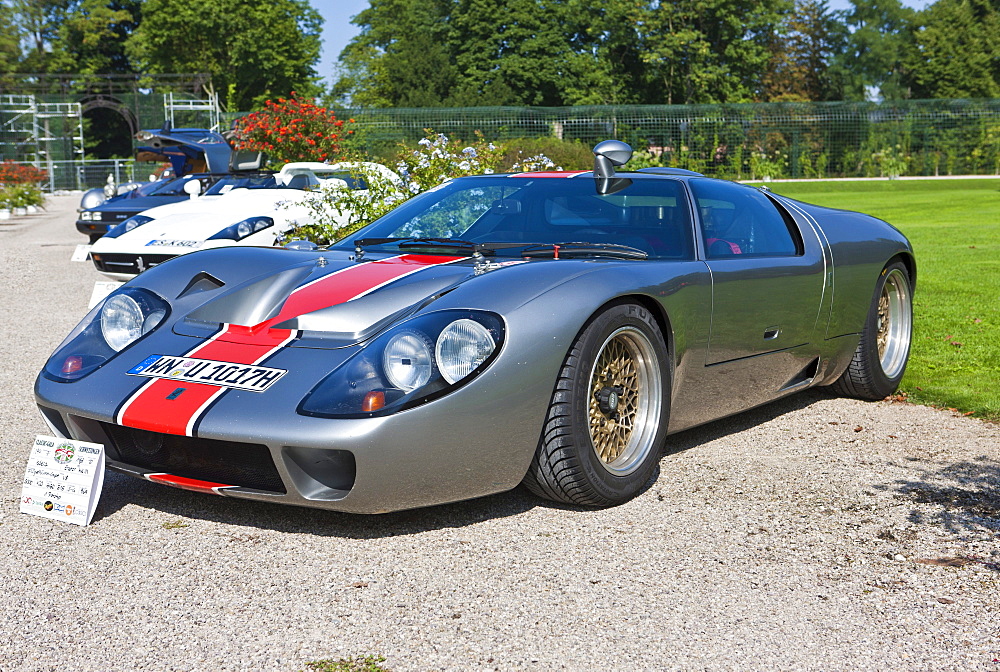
(25, 124)
(173, 102)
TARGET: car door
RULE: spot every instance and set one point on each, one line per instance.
(768, 279)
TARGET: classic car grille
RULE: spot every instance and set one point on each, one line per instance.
(248, 465)
(128, 263)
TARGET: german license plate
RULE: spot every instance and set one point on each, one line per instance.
(209, 372)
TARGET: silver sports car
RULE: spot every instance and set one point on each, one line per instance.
(551, 329)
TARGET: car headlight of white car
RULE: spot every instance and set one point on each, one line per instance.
(241, 230)
(131, 223)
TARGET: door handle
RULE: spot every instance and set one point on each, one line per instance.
(771, 333)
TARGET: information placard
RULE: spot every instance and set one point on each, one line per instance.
(63, 480)
(101, 289)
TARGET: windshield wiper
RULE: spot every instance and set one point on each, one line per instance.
(458, 244)
(414, 242)
(583, 249)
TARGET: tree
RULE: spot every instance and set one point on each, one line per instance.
(513, 53)
(253, 50)
(802, 51)
(401, 56)
(10, 48)
(37, 23)
(91, 38)
(710, 51)
(878, 49)
(957, 51)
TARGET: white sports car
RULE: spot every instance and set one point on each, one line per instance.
(243, 209)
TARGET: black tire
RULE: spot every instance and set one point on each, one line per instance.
(880, 360)
(622, 397)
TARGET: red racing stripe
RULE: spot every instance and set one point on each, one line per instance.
(188, 483)
(151, 410)
(551, 173)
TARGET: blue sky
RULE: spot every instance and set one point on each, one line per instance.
(338, 29)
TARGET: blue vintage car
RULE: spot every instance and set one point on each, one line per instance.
(193, 153)
(95, 222)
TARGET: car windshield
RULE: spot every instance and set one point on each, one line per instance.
(648, 214)
(231, 182)
(353, 181)
(150, 188)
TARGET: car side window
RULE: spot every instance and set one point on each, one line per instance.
(740, 221)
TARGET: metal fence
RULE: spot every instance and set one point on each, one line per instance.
(88, 173)
(921, 137)
(918, 137)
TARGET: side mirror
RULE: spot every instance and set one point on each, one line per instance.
(192, 188)
(609, 154)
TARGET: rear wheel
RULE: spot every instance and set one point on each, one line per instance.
(607, 419)
(880, 359)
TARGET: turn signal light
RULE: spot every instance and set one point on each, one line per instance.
(72, 364)
(373, 401)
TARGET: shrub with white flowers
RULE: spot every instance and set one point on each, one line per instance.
(340, 211)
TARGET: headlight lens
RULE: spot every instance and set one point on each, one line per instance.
(407, 361)
(86, 215)
(241, 230)
(420, 360)
(132, 222)
(122, 319)
(461, 348)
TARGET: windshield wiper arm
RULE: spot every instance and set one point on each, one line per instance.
(583, 249)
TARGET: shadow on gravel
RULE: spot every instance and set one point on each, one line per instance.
(690, 438)
(120, 491)
(966, 495)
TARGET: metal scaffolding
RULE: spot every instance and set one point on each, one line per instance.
(40, 133)
(186, 110)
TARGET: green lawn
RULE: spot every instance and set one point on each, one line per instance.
(954, 226)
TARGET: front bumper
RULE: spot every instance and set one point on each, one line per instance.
(473, 442)
(125, 266)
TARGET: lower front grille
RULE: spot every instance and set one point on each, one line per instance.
(247, 465)
(128, 263)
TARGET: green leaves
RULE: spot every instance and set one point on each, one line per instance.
(254, 51)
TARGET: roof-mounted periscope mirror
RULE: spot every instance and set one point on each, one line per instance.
(607, 155)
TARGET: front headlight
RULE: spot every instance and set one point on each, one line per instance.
(125, 319)
(419, 360)
(121, 320)
(132, 222)
(241, 230)
(407, 360)
(462, 347)
(86, 215)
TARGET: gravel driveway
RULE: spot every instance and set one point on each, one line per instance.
(814, 534)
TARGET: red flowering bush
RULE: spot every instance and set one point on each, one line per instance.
(293, 129)
(17, 173)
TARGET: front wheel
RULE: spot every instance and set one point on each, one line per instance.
(607, 420)
(880, 359)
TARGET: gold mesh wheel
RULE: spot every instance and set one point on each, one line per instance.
(624, 400)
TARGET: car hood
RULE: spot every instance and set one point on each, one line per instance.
(331, 303)
(137, 204)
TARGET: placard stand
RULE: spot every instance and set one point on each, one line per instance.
(63, 479)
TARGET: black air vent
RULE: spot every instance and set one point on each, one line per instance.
(247, 465)
(203, 282)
